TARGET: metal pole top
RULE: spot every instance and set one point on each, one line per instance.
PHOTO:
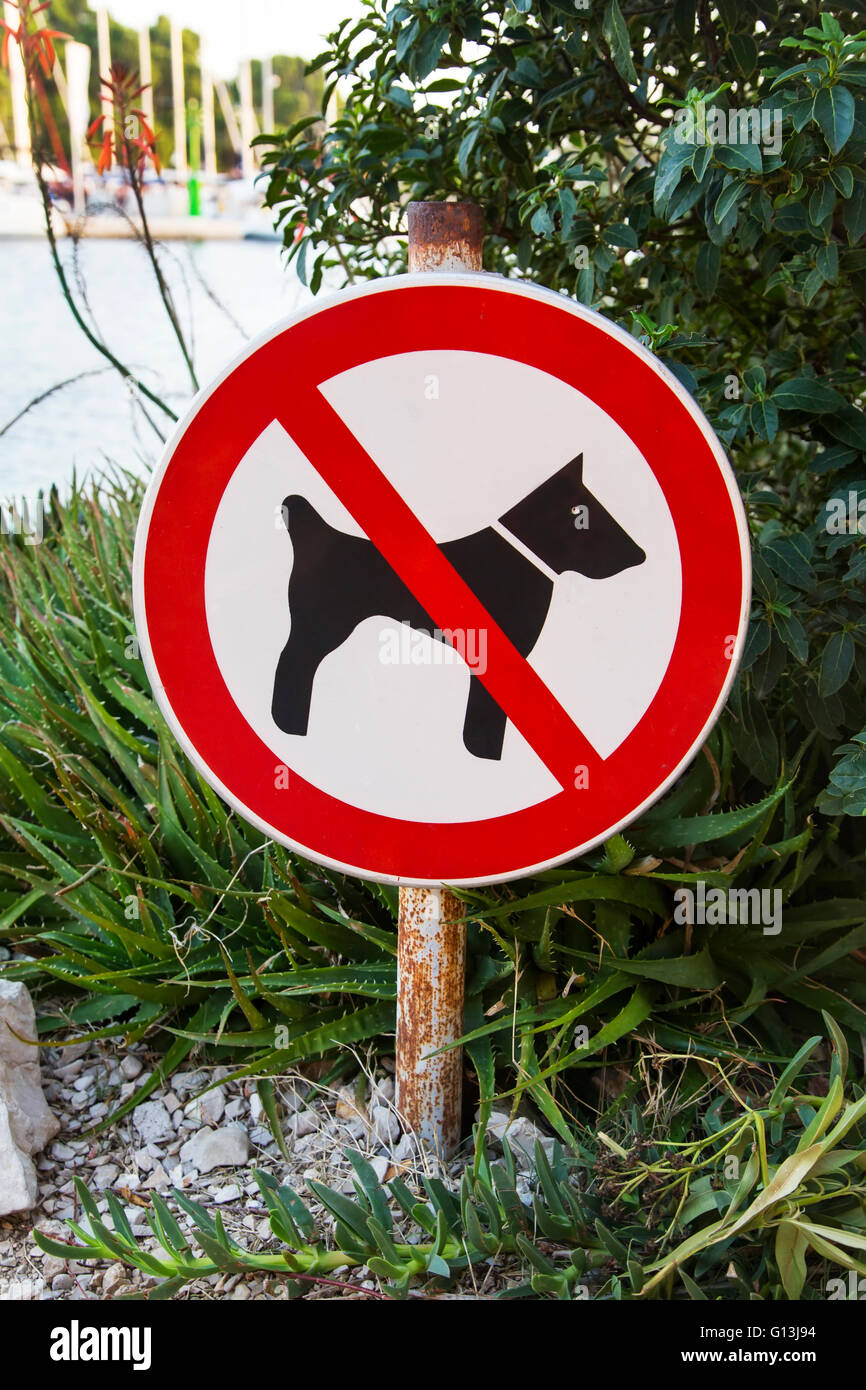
(445, 236)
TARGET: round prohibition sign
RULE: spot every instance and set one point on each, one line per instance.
(279, 379)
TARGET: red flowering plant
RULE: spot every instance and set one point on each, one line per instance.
(36, 42)
(124, 134)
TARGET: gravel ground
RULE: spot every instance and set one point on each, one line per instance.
(207, 1145)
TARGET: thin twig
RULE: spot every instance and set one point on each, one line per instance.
(43, 395)
(164, 291)
(35, 143)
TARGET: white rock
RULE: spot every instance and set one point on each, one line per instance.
(104, 1176)
(113, 1277)
(30, 1121)
(230, 1193)
(84, 1082)
(384, 1089)
(143, 1159)
(405, 1150)
(294, 1098)
(235, 1108)
(62, 1152)
(257, 1109)
(386, 1126)
(18, 1186)
(208, 1109)
(152, 1121)
(158, 1178)
(69, 1070)
(380, 1166)
(304, 1122)
(131, 1067)
(217, 1148)
(521, 1136)
(184, 1082)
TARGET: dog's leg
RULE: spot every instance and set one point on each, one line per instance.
(484, 725)
(293, 684)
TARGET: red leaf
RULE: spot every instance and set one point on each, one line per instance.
(105, 157)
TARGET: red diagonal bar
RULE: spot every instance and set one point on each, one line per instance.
(398, 535)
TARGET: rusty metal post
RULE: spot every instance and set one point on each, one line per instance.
(431, 968)
(445, 236)
(431, 950)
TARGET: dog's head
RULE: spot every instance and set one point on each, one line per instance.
(568, 528)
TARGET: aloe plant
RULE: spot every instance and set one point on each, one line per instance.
(136, 904)
(764, 1203)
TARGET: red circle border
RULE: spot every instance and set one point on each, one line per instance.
(408, 315)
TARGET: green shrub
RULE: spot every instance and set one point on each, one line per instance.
(126, 883)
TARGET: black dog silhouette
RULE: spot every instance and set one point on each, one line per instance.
(338, 580)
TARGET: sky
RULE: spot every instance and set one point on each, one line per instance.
(237, 29)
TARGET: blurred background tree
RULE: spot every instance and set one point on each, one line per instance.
(296, 92)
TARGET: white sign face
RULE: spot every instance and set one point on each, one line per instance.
(388, 705)
(442, 612)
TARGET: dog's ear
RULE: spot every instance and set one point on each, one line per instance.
(575, 470)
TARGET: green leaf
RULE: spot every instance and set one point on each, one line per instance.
(854, 213)
(793, 634)
(822, 202)
(615, 30)
(728, 200)
(790, 1251)
(621, 234)
(692, 972)
(694, 830)
(590, 888)
(792, 1070)
(467, 145)
(744, 51)
(836, 662)
(428, 50)
(675, 158)
(834, 111)
(740, 158)
(707, 264)
(764, 419)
